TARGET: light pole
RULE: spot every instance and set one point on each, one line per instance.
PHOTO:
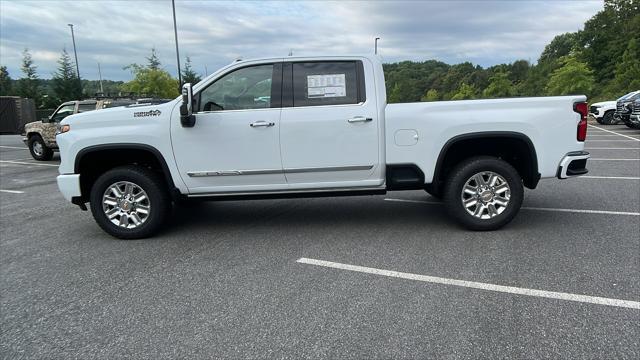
(75, 53)
(376, 46)
(175, 32)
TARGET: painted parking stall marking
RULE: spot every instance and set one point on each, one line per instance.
(476, 285)
(25, 163)
(613, 132)
(12, 191)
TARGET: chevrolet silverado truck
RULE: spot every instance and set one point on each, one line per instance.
(624, 107)
(314, 126)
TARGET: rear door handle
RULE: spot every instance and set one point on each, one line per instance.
(261, 124)
(359, 119)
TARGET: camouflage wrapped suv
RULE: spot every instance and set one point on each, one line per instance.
(40, 136)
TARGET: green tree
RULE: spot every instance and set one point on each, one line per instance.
(560, 46)
(28, 85)
(464, 92)
(152, 82)
(431, 95)
(66, 84)
(188, 75)
(572, 78)
(154, 61)
(499, 86)
(628, 70)
(5, 82)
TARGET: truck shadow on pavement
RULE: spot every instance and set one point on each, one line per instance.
(351, 215)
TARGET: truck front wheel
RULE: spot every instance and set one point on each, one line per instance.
(39, 149)
(130, 202)
(608, 119)
(483, 193)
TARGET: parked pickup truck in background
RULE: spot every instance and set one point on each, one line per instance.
(624, 107)
(309, 126)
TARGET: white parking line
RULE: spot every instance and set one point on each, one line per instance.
(608, 177)
(13, 147)
(608, 148)
(476, 285)
(25, 163)
(613, 132)
(582, 211)
(610, 140)
(602, 159)
(12, 191)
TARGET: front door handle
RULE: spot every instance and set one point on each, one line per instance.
(261, 124)
(359, 119)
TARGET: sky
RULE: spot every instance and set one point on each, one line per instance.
(214, 33)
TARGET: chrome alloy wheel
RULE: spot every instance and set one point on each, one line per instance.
(126, 204)
(37, 148)
(485, 195)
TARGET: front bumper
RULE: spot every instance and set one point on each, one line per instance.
(634, 119)
(573, 164)
(69, 185)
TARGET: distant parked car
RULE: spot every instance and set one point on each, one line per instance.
(603, 112)
(40, 136)
(624, 107)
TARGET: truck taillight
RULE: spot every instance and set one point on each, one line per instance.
(582, 109)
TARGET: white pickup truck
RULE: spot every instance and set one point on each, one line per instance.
(314, 126)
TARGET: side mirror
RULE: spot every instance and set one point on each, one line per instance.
(187, 119)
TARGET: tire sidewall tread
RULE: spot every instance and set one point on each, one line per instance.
(47, 153)
(458, 177)
(153, 185)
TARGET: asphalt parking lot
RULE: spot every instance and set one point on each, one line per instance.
(380, 276)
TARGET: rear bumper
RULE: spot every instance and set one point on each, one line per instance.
(69, 186)
(573, 164)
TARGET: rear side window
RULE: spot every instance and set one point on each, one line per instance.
(86, 107)
(326, 83)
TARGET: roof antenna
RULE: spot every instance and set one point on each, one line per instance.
(290, 52)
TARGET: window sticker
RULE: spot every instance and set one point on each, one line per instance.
(326, 86)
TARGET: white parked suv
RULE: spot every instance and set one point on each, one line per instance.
(314, 126)
(603, 112)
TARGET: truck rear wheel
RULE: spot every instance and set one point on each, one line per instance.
(39, 149)
(483, 193)
(130, 202)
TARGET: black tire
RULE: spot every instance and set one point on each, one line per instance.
(38, 149)
(159, 201)
(600, 120)
(608, 119)
(462, 173)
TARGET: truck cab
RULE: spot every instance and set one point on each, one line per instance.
(314, 126)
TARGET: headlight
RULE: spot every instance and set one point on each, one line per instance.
(61, 129)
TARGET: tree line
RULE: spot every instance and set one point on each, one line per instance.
(601, 61)
(149, 80)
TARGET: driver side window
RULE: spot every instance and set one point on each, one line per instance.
(242, 89)
(63, 112)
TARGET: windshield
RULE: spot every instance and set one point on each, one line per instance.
(629, 95)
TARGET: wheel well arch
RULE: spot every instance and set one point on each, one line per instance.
(93, 161)
(32, 133)
(515, 148)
